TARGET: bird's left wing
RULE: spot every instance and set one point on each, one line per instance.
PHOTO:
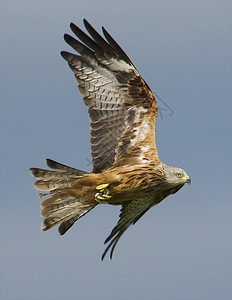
(130, 213)
(122, 108)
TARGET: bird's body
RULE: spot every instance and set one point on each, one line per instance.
(127, 170)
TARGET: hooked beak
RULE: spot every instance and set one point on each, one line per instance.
(186, 179)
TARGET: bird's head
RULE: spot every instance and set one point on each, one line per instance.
(176, 176)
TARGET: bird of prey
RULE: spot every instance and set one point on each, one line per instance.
(126, 169)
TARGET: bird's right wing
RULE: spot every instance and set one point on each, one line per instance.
(130, 213)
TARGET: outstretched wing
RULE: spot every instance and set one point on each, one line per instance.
(131, 212)
(122, 108)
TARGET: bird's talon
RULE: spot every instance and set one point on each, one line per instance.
(102, 196)
(103, 193)
(103, 186)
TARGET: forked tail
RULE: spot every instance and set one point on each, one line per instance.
(64, 206)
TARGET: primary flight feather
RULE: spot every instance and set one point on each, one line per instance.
(126, 170)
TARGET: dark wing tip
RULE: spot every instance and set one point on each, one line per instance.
(75, 28)
(112, 245)
(63, 54)
(66, 37)
(66, 55)
(120, 52)
(85, 22)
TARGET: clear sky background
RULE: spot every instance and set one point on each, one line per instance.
(181, 249)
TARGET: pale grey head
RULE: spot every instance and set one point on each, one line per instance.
(176, 176)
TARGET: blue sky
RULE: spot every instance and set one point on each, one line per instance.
(181, 249)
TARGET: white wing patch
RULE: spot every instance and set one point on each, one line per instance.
(119, 65)
(140, 132)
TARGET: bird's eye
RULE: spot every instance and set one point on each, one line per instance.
(179, 175)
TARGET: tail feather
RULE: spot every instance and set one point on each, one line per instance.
(64, 206)
(51, 185)
(58, 178)
(52, 205)
(59, 198)
(48, 174)
(64, 215)
(65, 226)
(58, 166)
(57, 218)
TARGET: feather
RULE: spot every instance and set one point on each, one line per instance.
(126, 170)
(112, 88)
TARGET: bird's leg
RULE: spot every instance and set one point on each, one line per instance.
(103, 193)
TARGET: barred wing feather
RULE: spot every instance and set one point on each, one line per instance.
(122, 108)
(131, 212)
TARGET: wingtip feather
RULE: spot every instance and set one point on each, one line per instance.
(64, 54)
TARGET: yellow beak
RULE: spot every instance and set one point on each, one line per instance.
(186, 179)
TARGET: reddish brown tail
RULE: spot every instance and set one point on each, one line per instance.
(63, 206)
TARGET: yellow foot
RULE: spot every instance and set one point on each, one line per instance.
(101, 187)
(103, 193)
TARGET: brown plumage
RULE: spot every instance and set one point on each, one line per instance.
(126, 170)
